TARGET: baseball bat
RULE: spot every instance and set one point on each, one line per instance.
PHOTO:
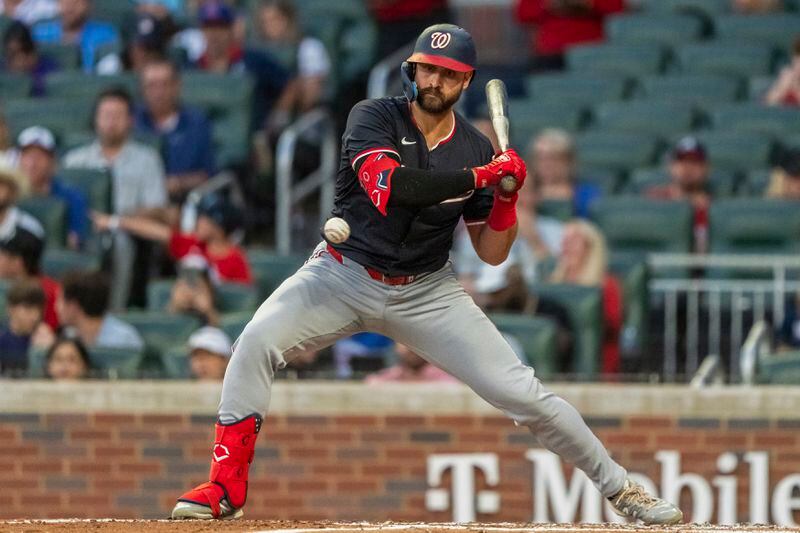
(497, 100)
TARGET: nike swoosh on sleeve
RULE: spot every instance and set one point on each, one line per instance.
(406, 141)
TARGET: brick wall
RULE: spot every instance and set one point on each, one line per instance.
(355, 466)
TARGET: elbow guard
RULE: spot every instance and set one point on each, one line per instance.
(375, 177)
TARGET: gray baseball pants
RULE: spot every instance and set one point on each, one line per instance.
(326, 300)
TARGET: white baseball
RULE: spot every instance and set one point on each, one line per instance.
(336, 230)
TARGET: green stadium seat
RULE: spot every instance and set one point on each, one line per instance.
(528, 117)
(585, 307)
(51, 213)
(616, 151)
(634, 224)
(776, 30)
(95, 184)
(228, 99)
(122, 363)
(631, 270)
(537, 335)
(774, 121)
(77, 84)
(756, 182)
(662, 29)
(779, 369)
(271, 269)
(67, 56)
(695, 89)
(58, 114)
(175, 362)
(233, 323)
(758, 86)
(725, 59)
(558, 209)
(653, 117)
(721, 183)
(161, 330)
(56, 262)
(754, 226)
(120, 13)
(705, 8)
(576, 89)
(631, 60)
(15, 85)
(736, 151)
(609, 181)
(234, 297)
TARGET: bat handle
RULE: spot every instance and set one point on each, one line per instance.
(508, 184)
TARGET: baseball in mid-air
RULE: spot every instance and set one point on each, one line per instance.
(336, 230)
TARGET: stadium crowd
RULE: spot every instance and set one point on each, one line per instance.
(118, 258)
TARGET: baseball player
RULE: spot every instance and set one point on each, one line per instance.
(410, 169)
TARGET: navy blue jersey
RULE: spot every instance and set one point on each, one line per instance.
(407, 241)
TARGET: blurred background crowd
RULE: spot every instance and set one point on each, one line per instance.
(147, 147)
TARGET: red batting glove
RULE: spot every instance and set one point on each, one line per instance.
(507, 163)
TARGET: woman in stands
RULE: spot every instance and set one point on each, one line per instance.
(584, 261)
(786, 89)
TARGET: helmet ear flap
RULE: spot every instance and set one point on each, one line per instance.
(407, 71)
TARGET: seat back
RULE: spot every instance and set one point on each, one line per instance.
(52, 214)
(537, 335)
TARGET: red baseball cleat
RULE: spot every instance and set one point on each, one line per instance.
(224, 495)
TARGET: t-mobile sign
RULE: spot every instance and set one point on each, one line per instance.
(557, 499)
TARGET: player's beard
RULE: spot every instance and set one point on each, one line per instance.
(433, 101)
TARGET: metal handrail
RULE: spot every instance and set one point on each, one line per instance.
(380, 75)
(752, 350)
(709, 373)
(755, 261)
(323, 178)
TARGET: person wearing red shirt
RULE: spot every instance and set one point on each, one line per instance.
(560, 24)
(211, 239)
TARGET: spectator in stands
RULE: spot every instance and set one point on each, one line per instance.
(784, 182)
(184, 131)
(137, 173)
(560, 24)
(552, 164)
(193, 291)
(689, 172)
(278, 26)
(755, 7)
(584, 261)
(217, 220)
(786, 88)
(209, 353)
(83, 307)
(541, 234)
(400, 21)
(25, 307)
(147, 44)
(21, 56)
(366, 349)
(410, 367)
(224, 53)
(67, 360)
(38, 162)
(75, 26)
(20, 258)
(29, 12)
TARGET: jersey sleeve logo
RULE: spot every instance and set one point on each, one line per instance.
(440, 39)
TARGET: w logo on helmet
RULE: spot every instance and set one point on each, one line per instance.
(440, 39)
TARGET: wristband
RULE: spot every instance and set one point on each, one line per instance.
(504, 212)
